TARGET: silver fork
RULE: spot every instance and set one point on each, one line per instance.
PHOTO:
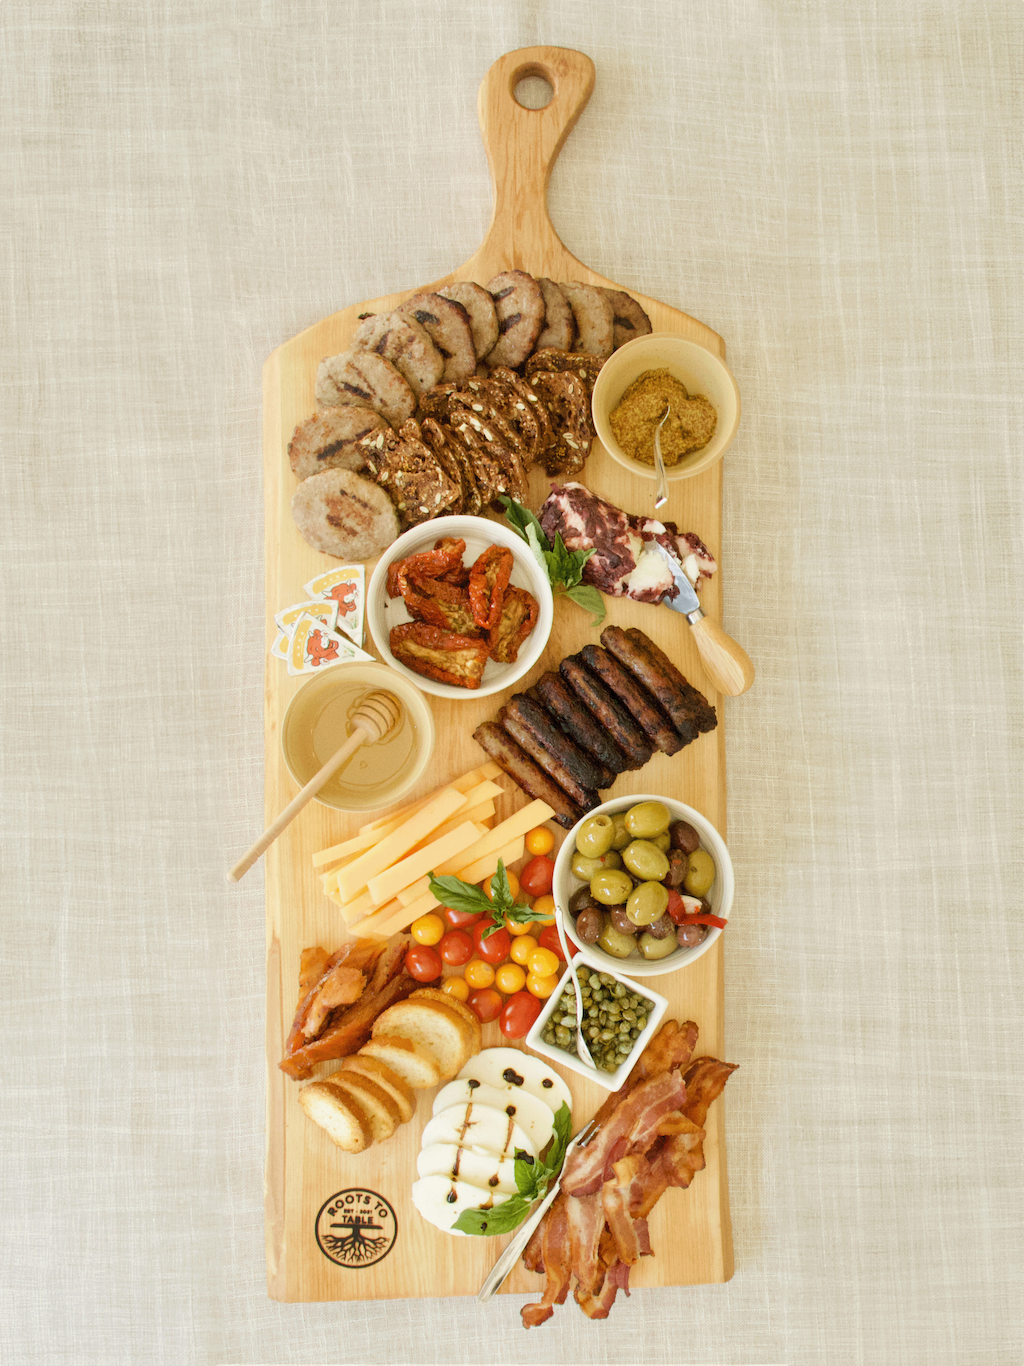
(510, 1256)
(582, 1051)
(661, 496)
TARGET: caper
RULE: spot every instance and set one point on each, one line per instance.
(647, 819)
(647, 903)
(612, 887)
(618, 945)
(683, 836)
(645, 860)
(700, 873)
(595, 836)
(650, 947)
(584, 867)
(622, 836)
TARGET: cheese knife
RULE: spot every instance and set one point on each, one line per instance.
(726, 663)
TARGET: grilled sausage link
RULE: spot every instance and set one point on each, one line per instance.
(536, 719)
(653, 668)
(637, 701)
(525, 773)
(584, 797)
(608, 711)
(577, 722)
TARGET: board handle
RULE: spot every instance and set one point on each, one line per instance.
(522, 144)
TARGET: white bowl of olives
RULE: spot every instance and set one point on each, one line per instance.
(644, 885)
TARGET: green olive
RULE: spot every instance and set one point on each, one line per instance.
(584, 867)
(700, 873)
(622, 836)
(595, 836)
(647, 903)
(663, 841)
(656, 948)
(618, 945)
(645, 860)
(611, 887)
(647, 820)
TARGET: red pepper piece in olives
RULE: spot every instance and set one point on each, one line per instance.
(684, 836)
(589, 924)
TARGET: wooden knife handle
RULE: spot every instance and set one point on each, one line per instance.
(523, 144)
(726, 663)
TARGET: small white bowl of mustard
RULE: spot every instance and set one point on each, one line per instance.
(703, 375)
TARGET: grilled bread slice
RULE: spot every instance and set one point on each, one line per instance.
(386, 1078)
(434, 1027)
(414, 1062)
(442, 998)
(382, 1112)
(405, 344)
(341, 1117)
(345, 515)
(483, 320)
(368, 380)
(330, 440)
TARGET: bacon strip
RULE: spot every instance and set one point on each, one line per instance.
(621, 1197)
(586, 1225)
(556, 1260)
(630, 1128)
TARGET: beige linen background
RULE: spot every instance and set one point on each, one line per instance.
(837, 190)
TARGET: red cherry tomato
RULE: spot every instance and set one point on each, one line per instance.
(548, 939)
(458, 920)
(519, 1013)
(494, 949)
(456, 948)
(535, 879)
(485, 1005)
(423, 963)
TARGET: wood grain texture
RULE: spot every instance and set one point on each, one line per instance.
(690, 1231)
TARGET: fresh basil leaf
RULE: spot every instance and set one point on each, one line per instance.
(459, 895)
(489, 1223)
(526, 1178)
(502, 889)
(563, 1128)
(522, 518)
(585, 595)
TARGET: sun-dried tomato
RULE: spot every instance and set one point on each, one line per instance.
(488, 580)
(517, 618)
(441, 655)
(459, 572)
(426, 564)
(441, 604)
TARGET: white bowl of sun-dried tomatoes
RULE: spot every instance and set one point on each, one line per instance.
(460, 606)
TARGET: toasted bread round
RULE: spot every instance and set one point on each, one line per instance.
(440, 1030)
(341, 1117)
(382, 1112)
(414, 1063)
(387, 1079)
(344, 515)
(462, 1010)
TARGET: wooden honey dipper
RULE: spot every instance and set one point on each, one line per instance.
(375, 718)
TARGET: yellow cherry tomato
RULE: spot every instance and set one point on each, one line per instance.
(478, 974)
(456, 988)
(513, 885)
(522, 948)
(541, 986)
(510, 978)
(545, 906)
(516, 931)
(429, 929)
(543, 963)
(540, 840)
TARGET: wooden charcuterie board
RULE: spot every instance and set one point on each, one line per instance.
(690, 1231)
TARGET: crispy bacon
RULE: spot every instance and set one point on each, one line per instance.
(316, 969)
(632, 1127)
(650, 1139)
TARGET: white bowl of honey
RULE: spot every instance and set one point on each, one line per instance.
(318, 721)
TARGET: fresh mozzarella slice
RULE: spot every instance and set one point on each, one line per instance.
(527, 1111)
(441, 1200)
(508, 1067)
(487, 1130)
(466, 1164)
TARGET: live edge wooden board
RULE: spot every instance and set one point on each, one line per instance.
(690, 1231)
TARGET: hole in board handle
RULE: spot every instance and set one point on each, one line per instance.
(532, 90)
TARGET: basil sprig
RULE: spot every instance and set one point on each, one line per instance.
(464, 896)
(532, 1179)
(563, 567)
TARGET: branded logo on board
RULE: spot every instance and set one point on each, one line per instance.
(356, 1228)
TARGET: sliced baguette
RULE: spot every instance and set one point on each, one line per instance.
(434, 1027)
(414, 1063)
(387, 1079)
(463, 1011)
(341, 1117)
(382, 1112)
